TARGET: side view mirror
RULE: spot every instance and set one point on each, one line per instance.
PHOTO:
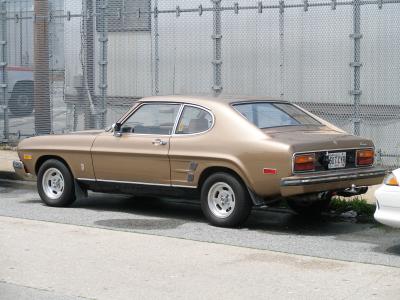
(116, 127)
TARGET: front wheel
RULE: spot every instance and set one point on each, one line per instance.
(55, 184)
(225, 200)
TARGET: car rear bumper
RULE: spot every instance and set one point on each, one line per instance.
(336, 180)
(388, 205)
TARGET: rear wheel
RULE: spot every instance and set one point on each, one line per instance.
(21, 100)
(310, 205)
(224, 200)
(55, 184)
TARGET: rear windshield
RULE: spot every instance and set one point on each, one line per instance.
(274, 114)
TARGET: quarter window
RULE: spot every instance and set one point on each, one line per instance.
(152, 119)
(194, 120)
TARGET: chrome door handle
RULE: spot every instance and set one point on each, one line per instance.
(159, 142)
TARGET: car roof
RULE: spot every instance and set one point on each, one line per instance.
(209, 99)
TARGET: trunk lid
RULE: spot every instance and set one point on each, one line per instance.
(316, 138)
(332, 149)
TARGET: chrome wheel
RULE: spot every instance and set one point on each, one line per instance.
(221, 200)
(23, 101)
(53, 183)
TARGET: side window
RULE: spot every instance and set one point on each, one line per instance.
(152, 119)
(194, 120)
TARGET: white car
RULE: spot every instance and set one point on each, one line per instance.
(388, 200)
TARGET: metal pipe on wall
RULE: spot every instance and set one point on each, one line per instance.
(217, 37)
(3, 65)
(356, 64)
(88, 69)
(156, 51)
(282, 49)
(103, 39)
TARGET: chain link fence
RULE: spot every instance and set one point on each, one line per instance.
(79, 64)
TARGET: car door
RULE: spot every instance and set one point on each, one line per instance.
(139, 153)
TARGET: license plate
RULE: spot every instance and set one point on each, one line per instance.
(337, 160)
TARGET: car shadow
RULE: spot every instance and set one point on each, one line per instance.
(31, 201)
(395, 250)
(177, 212)
(143, 206)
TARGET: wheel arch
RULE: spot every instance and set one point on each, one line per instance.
(42, 159)
(22, 83)
(80, 192)
(217, 169)
(223, 169)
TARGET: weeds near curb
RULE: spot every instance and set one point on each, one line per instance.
(357, 204)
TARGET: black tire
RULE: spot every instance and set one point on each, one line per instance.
(311, 205)
(67, 195)
(21, 100)
(241, 199)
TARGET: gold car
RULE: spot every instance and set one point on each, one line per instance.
(231, 152)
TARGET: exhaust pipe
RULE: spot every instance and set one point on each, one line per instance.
(353, 191)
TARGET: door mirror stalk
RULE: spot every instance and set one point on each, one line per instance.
(116, 127)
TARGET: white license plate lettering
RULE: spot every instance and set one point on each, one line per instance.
(337, 160)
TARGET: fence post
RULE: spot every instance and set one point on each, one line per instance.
(21, 62)
(103, 39)
(217, 36)
(3, 64)
(88, 70)
(156, 50)
(356, 65)
(282, 48)
(41, 70)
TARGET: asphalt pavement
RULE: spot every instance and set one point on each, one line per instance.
(271, 229)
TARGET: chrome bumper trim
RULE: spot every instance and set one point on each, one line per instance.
(17, 164)
(308, 180)
(19, 169)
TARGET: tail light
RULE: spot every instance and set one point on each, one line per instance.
(304, 162)
(365, 157)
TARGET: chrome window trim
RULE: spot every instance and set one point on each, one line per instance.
(330, 150)
(178, 117)
(129, 112)
(138, 183)
(129, 134)
(233, 104)
(196, 133)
